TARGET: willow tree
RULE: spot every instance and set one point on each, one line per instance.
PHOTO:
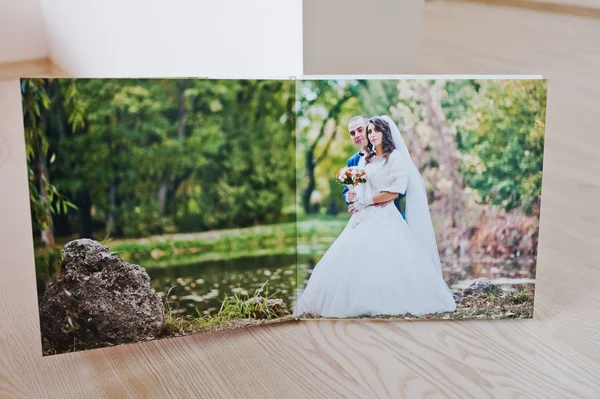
(47, 105)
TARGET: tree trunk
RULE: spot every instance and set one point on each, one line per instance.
(181, 101)
(311, 162)
(61, 225)
(84, 204)
(310, 172)
(162, 193)
(60, 115)
(61, 221)
(47, 234)
(112, 201)
(447, 155)
(113, 225)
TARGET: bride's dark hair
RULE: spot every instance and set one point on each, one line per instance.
(388, 143)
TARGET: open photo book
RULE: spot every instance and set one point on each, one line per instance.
(167, 207)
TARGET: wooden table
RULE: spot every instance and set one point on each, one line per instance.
(555, 355)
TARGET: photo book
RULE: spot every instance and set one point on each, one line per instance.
(168, 207)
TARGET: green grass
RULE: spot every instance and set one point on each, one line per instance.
(235, 311)
(521, 296)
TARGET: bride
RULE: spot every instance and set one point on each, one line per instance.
(381, 264)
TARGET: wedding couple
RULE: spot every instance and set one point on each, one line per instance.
(383, 263)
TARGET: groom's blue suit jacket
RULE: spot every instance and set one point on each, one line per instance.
(353, 161)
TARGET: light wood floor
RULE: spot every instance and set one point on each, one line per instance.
(555, 355)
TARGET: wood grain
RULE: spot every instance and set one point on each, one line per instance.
(589, 9)
(555, 355)
(35, 68)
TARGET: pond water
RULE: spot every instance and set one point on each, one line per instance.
(200, 288)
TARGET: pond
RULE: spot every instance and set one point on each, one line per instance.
(508, 274)
(199, 289)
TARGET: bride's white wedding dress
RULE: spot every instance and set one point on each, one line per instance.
(376, 266)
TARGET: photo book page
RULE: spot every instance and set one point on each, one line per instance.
(168, 207)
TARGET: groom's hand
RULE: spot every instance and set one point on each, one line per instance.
(379, 205)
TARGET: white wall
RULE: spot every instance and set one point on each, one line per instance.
(22, 32)
(176, 38)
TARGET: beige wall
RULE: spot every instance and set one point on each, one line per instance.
(355, 36)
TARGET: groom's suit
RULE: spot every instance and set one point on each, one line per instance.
(353, 161)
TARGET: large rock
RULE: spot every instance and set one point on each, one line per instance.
(99, 298)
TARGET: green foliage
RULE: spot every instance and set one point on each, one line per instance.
(486, 135)
(248, 179)
(150, 156)
(324, 108)
(504, 143)
(378, 96)
(39, 97)
(48, 262)
(334, 203)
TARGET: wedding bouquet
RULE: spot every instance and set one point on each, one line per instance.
(351, 176)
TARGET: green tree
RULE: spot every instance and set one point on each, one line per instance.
(504, 142)
(321, 106)
(152, 155)
(247, 179)
(40, 98)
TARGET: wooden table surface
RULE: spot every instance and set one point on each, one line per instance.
(555, 355)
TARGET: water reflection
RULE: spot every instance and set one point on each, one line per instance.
(203, 286)
(507, 274)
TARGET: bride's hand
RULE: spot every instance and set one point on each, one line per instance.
(351, 196)
(365, 202)
(363, 199)
(362, 203)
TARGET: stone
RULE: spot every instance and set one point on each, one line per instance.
(482, 286)
(99, 298)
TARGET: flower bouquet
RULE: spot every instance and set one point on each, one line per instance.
(351, 177)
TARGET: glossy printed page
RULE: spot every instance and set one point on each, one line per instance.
(166, 207)
(160, 207)
(418, 196)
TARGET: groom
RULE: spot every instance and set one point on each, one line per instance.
(357, 128)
